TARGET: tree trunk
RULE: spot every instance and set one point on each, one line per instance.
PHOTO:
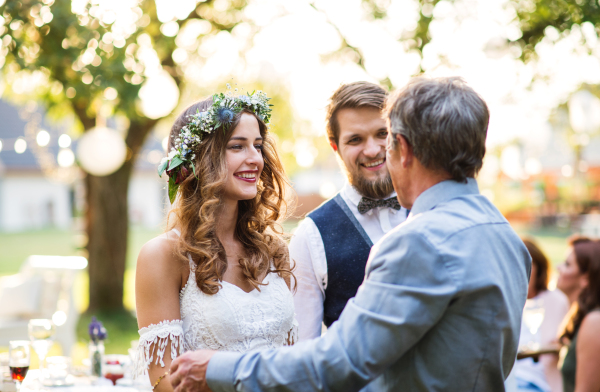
(107, 229)
(107, 225)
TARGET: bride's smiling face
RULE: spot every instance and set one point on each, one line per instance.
(243, 156)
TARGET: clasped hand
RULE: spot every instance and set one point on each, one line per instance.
(188, 372)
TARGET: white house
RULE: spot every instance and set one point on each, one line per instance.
(31, 199)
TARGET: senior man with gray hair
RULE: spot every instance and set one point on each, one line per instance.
(440, 306)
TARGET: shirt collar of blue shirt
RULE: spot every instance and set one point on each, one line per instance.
(441, 192)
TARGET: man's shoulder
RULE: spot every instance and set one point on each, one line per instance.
(327, 207)
(453, 216)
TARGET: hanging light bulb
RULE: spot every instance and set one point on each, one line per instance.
(101, 151)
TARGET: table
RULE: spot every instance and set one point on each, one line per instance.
(80, 384)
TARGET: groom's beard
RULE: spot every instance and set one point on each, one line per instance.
(374, 189)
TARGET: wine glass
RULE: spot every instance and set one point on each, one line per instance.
(533, 316)
(40, 333)
(18, 360)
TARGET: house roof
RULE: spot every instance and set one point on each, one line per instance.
(13, 123)
(12, 127)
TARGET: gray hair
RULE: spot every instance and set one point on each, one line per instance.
(444, 121)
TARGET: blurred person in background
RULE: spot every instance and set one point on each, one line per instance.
(331, 246)
(543, 375)
(579, 279)
(219, 277)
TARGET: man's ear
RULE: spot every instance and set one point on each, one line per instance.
(406, 153)
(333, 144)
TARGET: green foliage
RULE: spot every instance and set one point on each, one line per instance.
(535, 16)
(376, 8)
(172, 189)
(79, 55)
(415, 40)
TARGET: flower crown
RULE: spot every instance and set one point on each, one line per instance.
(222, 112)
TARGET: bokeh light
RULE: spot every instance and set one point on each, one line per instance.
(20, 146)
(42, 138)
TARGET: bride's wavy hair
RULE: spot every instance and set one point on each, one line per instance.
(198, 200)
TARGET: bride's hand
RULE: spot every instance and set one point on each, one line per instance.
(188, 372)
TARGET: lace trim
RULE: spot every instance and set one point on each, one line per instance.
(183, 289)
(153, 343)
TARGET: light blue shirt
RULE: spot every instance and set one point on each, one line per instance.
(439, 310)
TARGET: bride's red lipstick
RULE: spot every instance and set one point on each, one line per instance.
(251, 179)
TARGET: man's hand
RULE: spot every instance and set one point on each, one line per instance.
(188, 372)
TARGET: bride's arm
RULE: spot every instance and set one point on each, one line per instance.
(157, 284)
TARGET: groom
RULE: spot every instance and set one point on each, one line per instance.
(440, 306)
(331, 246)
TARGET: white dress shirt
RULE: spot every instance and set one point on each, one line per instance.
(308, 253)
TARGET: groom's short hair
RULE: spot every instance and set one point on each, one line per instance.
(351, 96)
(444, 121)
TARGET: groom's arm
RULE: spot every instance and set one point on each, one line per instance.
(406, 292)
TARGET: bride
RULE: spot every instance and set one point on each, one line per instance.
(219, 277)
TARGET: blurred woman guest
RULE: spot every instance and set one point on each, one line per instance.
(579, 279)
(544, 374)
(219, 277)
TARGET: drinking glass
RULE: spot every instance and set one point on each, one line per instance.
(18, 360)
(59, 370)
(533, 316)
(40, 333)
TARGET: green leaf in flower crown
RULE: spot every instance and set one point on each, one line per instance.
(162, 167)
(194, 170)
(172, 189)
(176, 161)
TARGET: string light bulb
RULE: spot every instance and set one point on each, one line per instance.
(64, 141)
(20, 146)
(42, 138)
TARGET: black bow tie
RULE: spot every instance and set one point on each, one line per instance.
(367, 204)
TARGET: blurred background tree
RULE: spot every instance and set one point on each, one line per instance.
(538, 18)
(413, 37)
(96, 63)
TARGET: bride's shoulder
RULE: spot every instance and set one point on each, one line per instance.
(159, 251)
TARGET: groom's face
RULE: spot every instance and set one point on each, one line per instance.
(361, 146)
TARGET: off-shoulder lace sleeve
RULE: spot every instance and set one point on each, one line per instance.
(153, 343)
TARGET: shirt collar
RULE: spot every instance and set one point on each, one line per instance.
(442, 192)
(352, 194)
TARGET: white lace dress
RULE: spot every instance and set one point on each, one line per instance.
(230, 320)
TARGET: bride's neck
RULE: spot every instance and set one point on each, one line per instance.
(227, 219)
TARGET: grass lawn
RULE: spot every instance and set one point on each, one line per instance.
(552, 241)
(122, 328)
